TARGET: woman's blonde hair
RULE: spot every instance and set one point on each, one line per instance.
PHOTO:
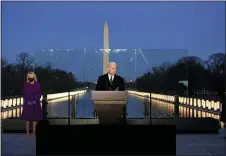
(34, 75)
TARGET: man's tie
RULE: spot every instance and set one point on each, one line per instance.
(111, 80)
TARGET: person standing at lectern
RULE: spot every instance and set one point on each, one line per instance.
(110, 81)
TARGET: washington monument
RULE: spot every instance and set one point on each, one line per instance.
(106, 49)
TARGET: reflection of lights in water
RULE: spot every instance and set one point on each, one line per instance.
(19, 111)
(2, 115)
(159, 109)
(13, 113)
(188, 112)
(184, 111)
(208, 115)
(204, 114)
(195, 113)
(199, 114)
(10, 113)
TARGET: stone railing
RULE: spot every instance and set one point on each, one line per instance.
(18, 101)
(208, 105)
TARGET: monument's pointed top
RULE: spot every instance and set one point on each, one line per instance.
(106, 23)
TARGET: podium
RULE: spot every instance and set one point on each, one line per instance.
(110, 106)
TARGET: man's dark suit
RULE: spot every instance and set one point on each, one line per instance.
(103, 83)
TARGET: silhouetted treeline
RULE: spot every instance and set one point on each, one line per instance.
(208, 75)
(52, 80)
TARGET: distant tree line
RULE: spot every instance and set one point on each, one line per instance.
(208, 75)
(52, 80)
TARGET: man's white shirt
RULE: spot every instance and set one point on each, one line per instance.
(109, 77)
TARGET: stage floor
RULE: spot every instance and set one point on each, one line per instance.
(187, 144)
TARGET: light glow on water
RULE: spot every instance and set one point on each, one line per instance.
(160, 109)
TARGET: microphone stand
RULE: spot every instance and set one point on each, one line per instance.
(69, 99)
